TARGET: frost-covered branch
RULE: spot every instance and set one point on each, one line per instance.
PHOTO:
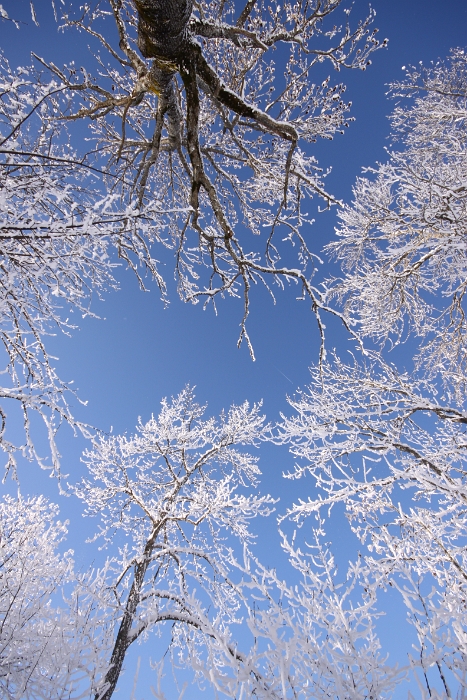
(383, 444)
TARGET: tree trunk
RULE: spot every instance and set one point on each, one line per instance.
(122, 641)
(163, 27)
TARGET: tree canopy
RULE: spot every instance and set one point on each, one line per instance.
(196, 143)
(187, 138)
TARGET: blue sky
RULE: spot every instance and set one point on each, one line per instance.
(123, 364)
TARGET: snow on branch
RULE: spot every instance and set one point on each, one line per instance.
(180, 491)
(205, 124)
(402, 241)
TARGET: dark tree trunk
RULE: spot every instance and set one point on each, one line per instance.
(163, 27)
(122, 641)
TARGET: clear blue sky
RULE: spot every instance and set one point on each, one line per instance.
(124, 364)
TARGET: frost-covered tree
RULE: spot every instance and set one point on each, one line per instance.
(175, 499)
(211, 109)
(57, 229)
(199, 142)
(390, 445)
(402, 241)
(174, 502)
(316, 638)
(394, 454)
(50, 647)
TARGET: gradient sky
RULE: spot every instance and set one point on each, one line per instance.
(140, 351)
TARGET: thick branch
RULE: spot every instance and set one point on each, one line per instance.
(200, 178)
(245, 13)
(234, 102)
(225, 31)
